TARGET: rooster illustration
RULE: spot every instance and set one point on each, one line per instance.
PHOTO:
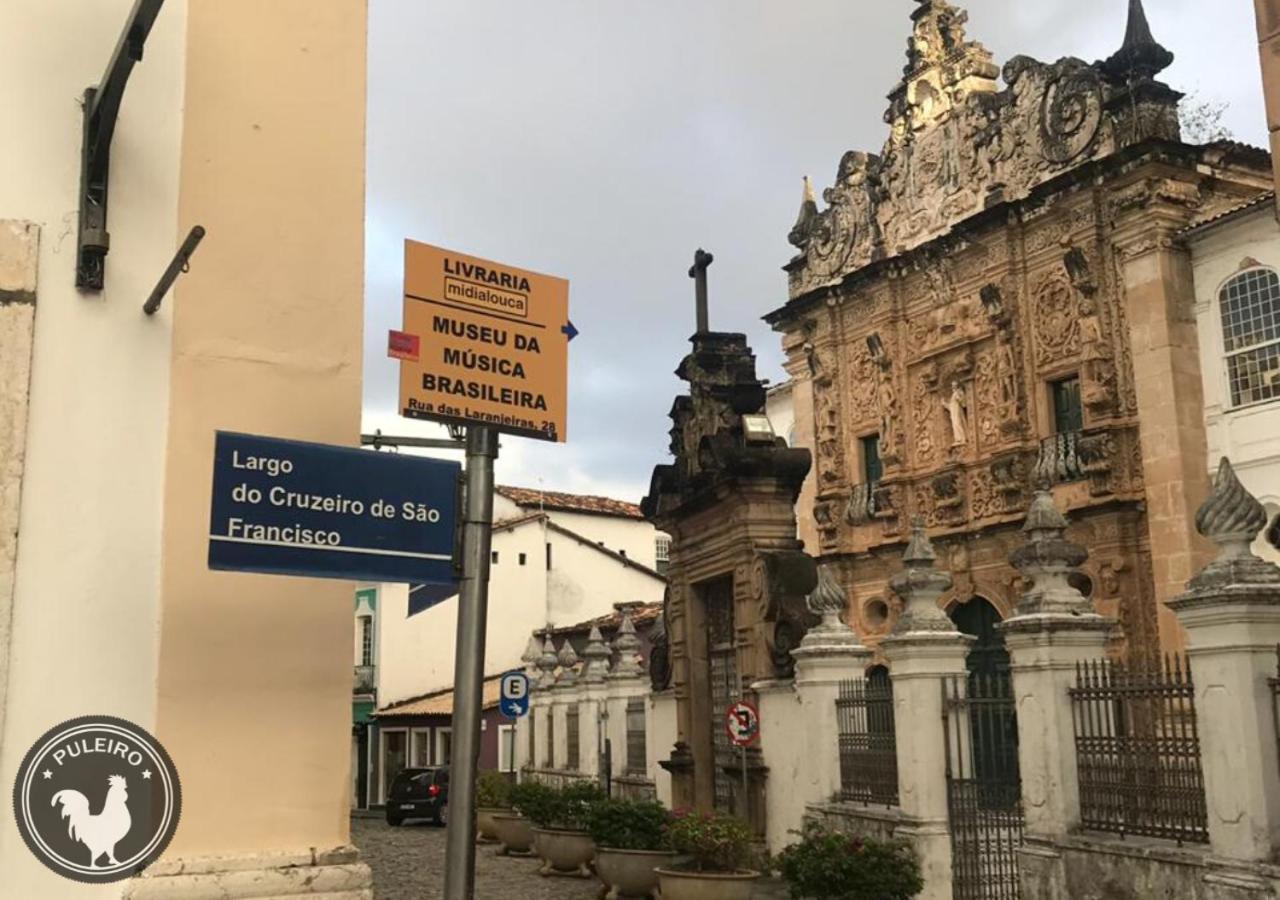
(100, 832)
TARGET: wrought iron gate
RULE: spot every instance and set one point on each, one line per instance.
(723, 676)
(984, 791)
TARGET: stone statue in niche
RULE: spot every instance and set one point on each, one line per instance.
(887, 404)
(957, 415)
(1098, 388)
(1007, 377)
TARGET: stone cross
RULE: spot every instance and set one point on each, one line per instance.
(702, 260)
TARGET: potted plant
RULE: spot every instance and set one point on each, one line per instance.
(559, 817)
(513, 827)
(631, 843)
(719, 851)
(831, 865)
(493, 797)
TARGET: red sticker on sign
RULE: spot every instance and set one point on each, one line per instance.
(401, 345)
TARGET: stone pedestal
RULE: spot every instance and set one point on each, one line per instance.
(924, 651)
(1054, 629)
(1231, 612)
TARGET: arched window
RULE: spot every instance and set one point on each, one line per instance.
(1250, 305)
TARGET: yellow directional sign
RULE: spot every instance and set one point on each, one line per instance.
(492, 343)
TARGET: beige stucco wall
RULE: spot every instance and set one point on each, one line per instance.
(1249, 435)
(86, 590)
(267, 339)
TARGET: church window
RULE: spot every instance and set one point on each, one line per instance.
(662, 553)
(872, 470)
(1250, 307)
(1068, 414)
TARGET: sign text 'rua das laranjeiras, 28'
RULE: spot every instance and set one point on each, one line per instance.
(484, 343)
(296, 508)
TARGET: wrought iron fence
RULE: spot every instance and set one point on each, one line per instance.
(868, 745)
(1138, 750)
(984, 786)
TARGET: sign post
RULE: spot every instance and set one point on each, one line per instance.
(742, 722)
(484, 345)
(468, 670)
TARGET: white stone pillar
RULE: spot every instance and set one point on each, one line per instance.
(1231, 612)
(1055, 627)
(830, 653)
(924, 651)
(594, 709)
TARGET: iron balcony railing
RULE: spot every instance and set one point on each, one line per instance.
(868, 742)
(1138, 750)
(1059, 459)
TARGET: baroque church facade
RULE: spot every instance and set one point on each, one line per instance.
(1000, 299)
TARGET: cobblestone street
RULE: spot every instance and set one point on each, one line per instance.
(408, 864)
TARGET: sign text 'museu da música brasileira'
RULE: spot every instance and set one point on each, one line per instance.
(296, 508)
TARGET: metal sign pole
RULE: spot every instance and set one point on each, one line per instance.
(468, 669)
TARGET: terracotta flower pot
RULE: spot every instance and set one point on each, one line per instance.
(486, 831)
(514, 831)
(706, 885)
(564, 852)
(631, 873)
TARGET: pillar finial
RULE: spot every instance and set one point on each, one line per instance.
(1049, 560)
(627, 645)
(921, 586)
(1232, 518)
(596, 654)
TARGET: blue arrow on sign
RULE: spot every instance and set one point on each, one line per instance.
(569, 331)
(514, 695)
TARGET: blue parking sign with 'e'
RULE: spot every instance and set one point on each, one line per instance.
(514, 690)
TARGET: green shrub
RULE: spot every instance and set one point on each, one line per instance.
(715, 842)
(831, 865)
(564, 808)
(629, 824)
(493, 790)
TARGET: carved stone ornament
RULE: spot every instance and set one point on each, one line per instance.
(1232, 518)
(921, 586)
(627, 647)
(568, 659)
(1050, 562)
(828, 601)
(547, 663)
(660, 648)
(958, 145)
(782, 581)
(532, 653)
(596, 655)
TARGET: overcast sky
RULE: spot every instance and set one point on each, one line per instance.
(605, 140)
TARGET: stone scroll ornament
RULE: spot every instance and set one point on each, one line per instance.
(781, 584)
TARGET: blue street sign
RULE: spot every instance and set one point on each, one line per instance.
(514, 689)
(293, 508)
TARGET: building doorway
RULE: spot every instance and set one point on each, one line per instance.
(722, 678)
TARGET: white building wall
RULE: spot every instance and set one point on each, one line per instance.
(779, 408)
(1249, 435)
(86, 595)
(416, 654)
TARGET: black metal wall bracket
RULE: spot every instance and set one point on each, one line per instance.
(179, 264)
(101, 106)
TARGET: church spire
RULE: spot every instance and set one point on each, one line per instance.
(1141, 55)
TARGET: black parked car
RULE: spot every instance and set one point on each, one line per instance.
(419, 794)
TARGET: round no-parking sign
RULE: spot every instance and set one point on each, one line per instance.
(742, 721)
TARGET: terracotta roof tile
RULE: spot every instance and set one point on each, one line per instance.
(641, 615)
(1230, 212)
(583, 503)
(440, 703)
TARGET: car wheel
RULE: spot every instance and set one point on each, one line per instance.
(395, 821)
(442, 815)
